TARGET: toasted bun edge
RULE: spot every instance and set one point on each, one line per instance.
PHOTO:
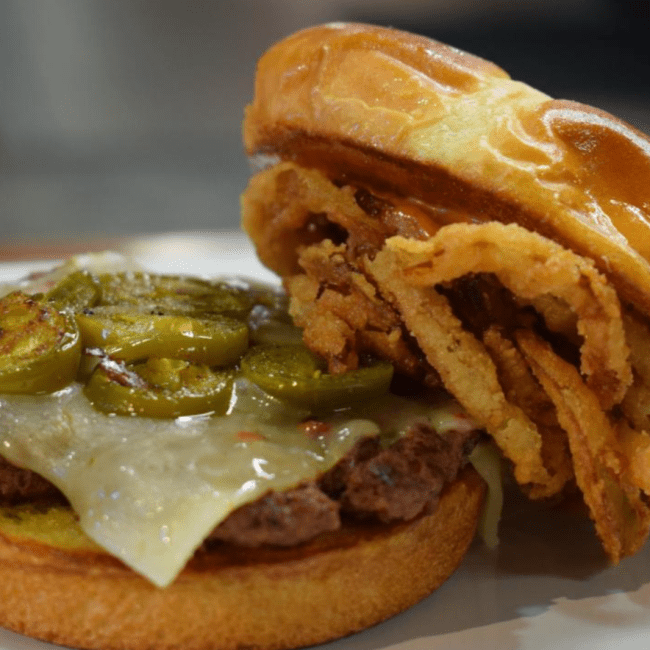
(324, 591)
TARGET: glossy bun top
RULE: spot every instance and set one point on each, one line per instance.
(408, 117)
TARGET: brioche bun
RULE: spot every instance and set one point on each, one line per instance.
(421, 123)
(70, 592)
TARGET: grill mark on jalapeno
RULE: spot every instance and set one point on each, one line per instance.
(170, 293)
(159, 388)
(294, 374)
(129, 336)
(151, 345)
(40, 347)
(77, 291)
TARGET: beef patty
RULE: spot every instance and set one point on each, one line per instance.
(371, 482)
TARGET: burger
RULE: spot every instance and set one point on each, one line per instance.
(464, 258)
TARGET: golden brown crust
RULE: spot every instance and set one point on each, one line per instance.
(530, 266)
(409, 117)
(599, 466)
(226, 600)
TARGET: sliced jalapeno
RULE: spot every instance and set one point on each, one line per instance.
(294, 374)
(159, 388)
(130, 336)
(76, 292)
(268, 325)
(269, 321)
(171, 293)
(40, 347)
(269, 296)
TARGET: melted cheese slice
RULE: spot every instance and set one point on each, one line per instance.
(149, 491)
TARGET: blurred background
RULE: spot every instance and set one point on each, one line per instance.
(123, 117)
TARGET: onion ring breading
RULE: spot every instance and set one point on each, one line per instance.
(635, 433)
(530, 265)
(521, 388)
(286, 208)
(636, 404)
(620, 514)
(340, 311)
(636, 446)
(557, 315)
(466, 369)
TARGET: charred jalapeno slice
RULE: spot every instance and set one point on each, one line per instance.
(133, 335)
(159, 388)
(270, 325)
(269, 321)
(40, 347)
(77, 291)
(171, 293)
(294, 374)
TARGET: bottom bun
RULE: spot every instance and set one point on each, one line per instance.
(74, 594)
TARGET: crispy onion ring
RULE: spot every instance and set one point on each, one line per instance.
(466, 369)
(521, 388)
(530, 265)
(636, 404)
(340, 310)
(620, 514)
(286, 208)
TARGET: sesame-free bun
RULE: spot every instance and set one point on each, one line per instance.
(416, 121)
(69, 591)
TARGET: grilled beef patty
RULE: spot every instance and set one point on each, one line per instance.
(370, 482)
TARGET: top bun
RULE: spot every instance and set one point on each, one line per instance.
(418, 121)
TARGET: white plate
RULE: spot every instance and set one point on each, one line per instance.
(546, 586)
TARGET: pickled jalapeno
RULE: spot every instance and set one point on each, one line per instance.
(270, 325)
(77, 291)
(269, 320)
(170, 293)
(159, 388)
(165, 346)
(40, 347)
(133, 335)
(294, 374)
